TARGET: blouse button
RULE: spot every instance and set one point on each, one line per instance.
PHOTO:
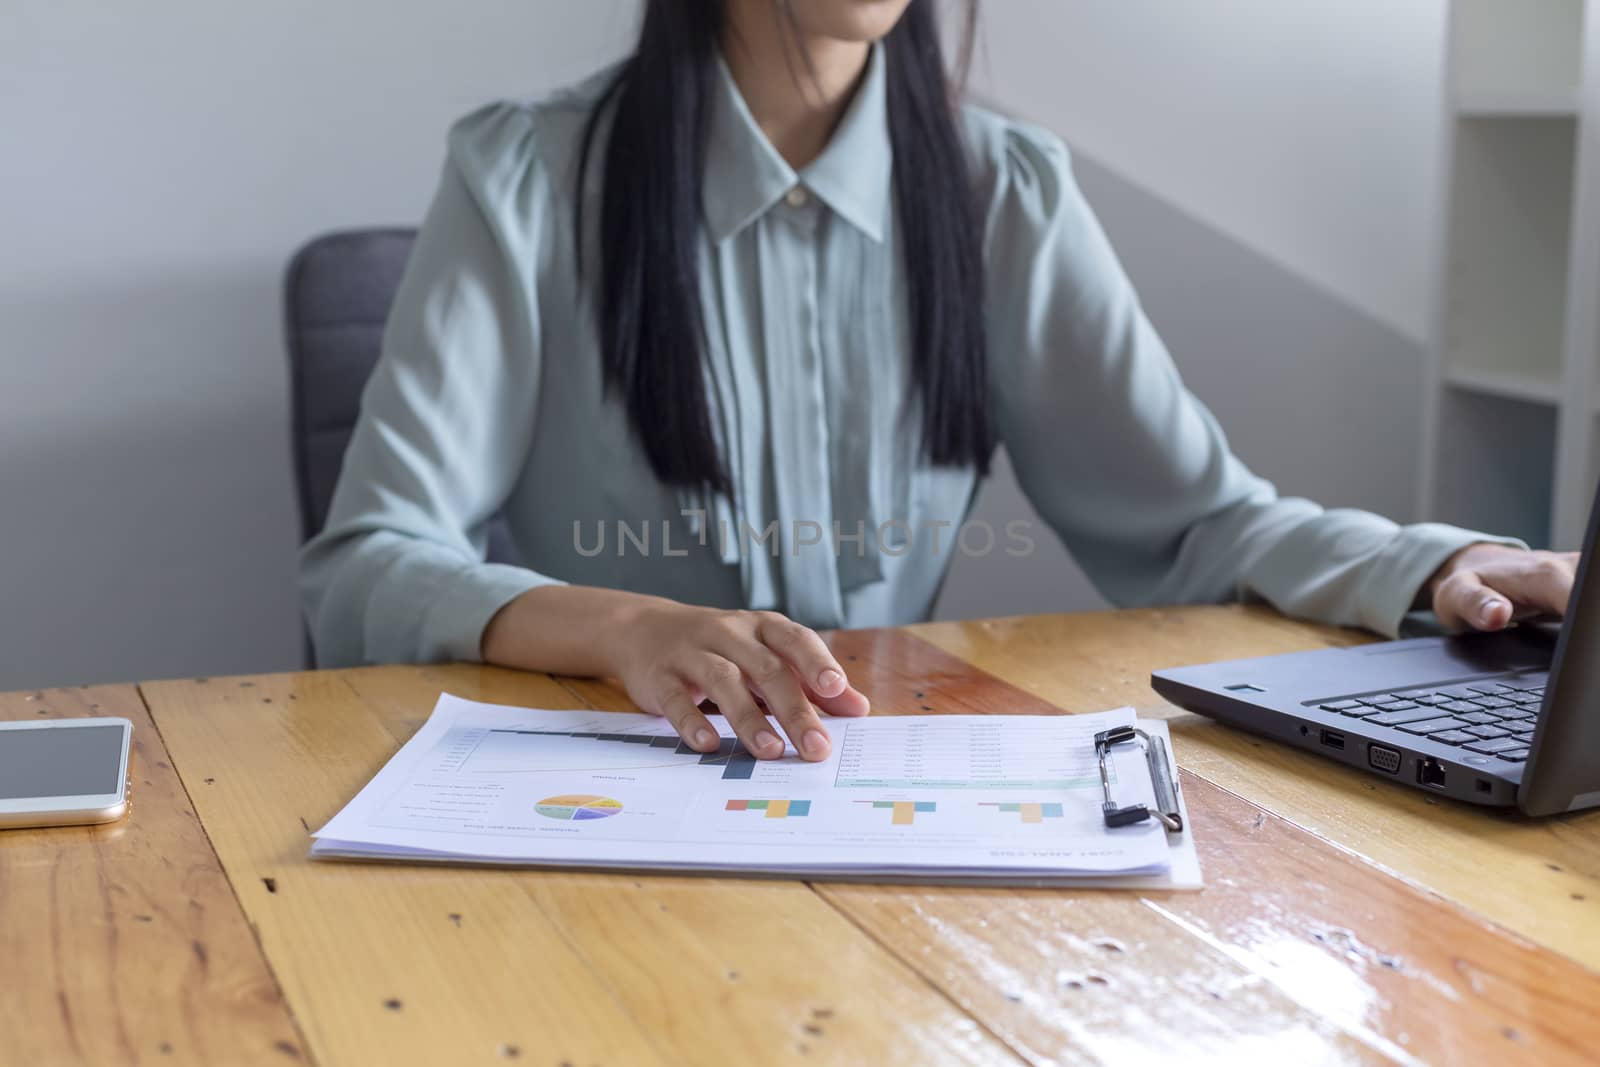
(797, 197)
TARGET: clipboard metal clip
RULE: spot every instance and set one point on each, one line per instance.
(1166, 793)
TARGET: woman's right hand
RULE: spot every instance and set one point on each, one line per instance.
(672, 656)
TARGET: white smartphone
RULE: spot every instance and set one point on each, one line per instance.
(64, 772)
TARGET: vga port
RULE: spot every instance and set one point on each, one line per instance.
(1383, 758)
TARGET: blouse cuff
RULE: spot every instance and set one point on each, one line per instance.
(454, 625)
(1405, 565)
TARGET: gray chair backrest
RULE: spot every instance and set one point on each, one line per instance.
(337, 293)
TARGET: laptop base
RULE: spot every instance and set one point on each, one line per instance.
(1283, 698)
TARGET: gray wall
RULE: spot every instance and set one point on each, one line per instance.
(160, 163)
(1314, 394)
(1309, 132)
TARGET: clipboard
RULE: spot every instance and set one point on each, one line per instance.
(1166, 809)
(1184, 873)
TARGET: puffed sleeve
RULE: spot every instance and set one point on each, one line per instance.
(398, 572)
(1128, 467)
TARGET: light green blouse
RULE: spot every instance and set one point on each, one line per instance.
(488, 399)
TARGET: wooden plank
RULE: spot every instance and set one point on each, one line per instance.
(381, 964)
(1093, 971)
(1093, 661)
(768, 961)
(1401, 972)
(123, 943)
(400, 964)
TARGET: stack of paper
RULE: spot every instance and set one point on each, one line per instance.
(948, 798)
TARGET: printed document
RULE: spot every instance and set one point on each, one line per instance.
(979, 797)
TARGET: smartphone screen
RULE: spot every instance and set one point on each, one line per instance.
(61, 762)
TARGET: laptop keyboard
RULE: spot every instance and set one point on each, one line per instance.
(1496, 718)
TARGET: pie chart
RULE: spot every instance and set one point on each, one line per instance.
(578, 807)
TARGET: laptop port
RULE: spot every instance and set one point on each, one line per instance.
(1385, 759)
(1333, 738)
(1430, 772)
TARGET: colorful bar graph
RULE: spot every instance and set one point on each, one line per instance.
(1030, 811)
(775, 809)
(905, 811)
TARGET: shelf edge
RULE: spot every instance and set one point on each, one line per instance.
(1507, 386)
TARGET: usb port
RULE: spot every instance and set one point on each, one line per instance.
(1333, 738)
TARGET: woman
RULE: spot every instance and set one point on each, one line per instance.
(729, 335)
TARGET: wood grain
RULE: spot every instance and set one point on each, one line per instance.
(123, 943)
(1297, 949)
(401, 964)
(1493, 863)
(763, 956)
(381, 964)
(1398, 970)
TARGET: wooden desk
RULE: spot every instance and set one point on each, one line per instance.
(1343, 920)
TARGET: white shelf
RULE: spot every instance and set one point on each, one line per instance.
(1512, 386)
(1516, 46)
(1497, 464)
(1516, 104)
(1506, 266)
(1511, 416)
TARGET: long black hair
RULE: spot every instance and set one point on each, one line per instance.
(652, 335)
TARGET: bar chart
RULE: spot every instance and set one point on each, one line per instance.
(1029, 811)
(735, 760)
(773, 809)
(903, 812)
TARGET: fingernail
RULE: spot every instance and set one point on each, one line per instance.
(829, 682)
(704, 738)
(816, 744)
(766, 739)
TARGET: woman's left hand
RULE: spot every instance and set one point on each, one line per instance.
(1489, 586)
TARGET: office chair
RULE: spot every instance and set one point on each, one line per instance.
(337, 292)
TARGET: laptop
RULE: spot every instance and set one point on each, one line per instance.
(1507, 719)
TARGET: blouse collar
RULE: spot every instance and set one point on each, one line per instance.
(745, 176)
